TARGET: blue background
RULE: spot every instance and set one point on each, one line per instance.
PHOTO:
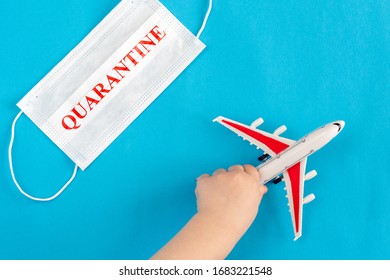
(300, 64)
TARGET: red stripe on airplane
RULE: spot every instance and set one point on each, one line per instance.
(294, 174)
(274, 145)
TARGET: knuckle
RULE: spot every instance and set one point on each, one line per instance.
(199, 189)
(238, 177)
(250, 168)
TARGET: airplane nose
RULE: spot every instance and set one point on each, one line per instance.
(340, 124)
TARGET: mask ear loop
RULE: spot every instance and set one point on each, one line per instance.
(205, 19)
(13, 174)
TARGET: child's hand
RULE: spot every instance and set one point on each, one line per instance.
(230, 198)
(228, 202)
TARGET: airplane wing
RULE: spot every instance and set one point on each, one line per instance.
(269, 143)
(294, 178)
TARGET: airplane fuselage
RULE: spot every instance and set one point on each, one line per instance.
(303, 148)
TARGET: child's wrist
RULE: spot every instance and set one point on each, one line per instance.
(223, 223)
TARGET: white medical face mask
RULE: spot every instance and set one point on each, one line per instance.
(106, 82)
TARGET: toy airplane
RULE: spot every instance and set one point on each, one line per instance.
(286, 157)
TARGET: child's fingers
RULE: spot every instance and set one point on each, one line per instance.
(202, 176)
(219, 171)
(263, 190)
(236, 168)
(251, 170)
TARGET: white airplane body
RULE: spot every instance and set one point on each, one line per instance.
(286, 157)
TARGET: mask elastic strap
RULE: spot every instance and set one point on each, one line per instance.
(206, 17)
(13, 174)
